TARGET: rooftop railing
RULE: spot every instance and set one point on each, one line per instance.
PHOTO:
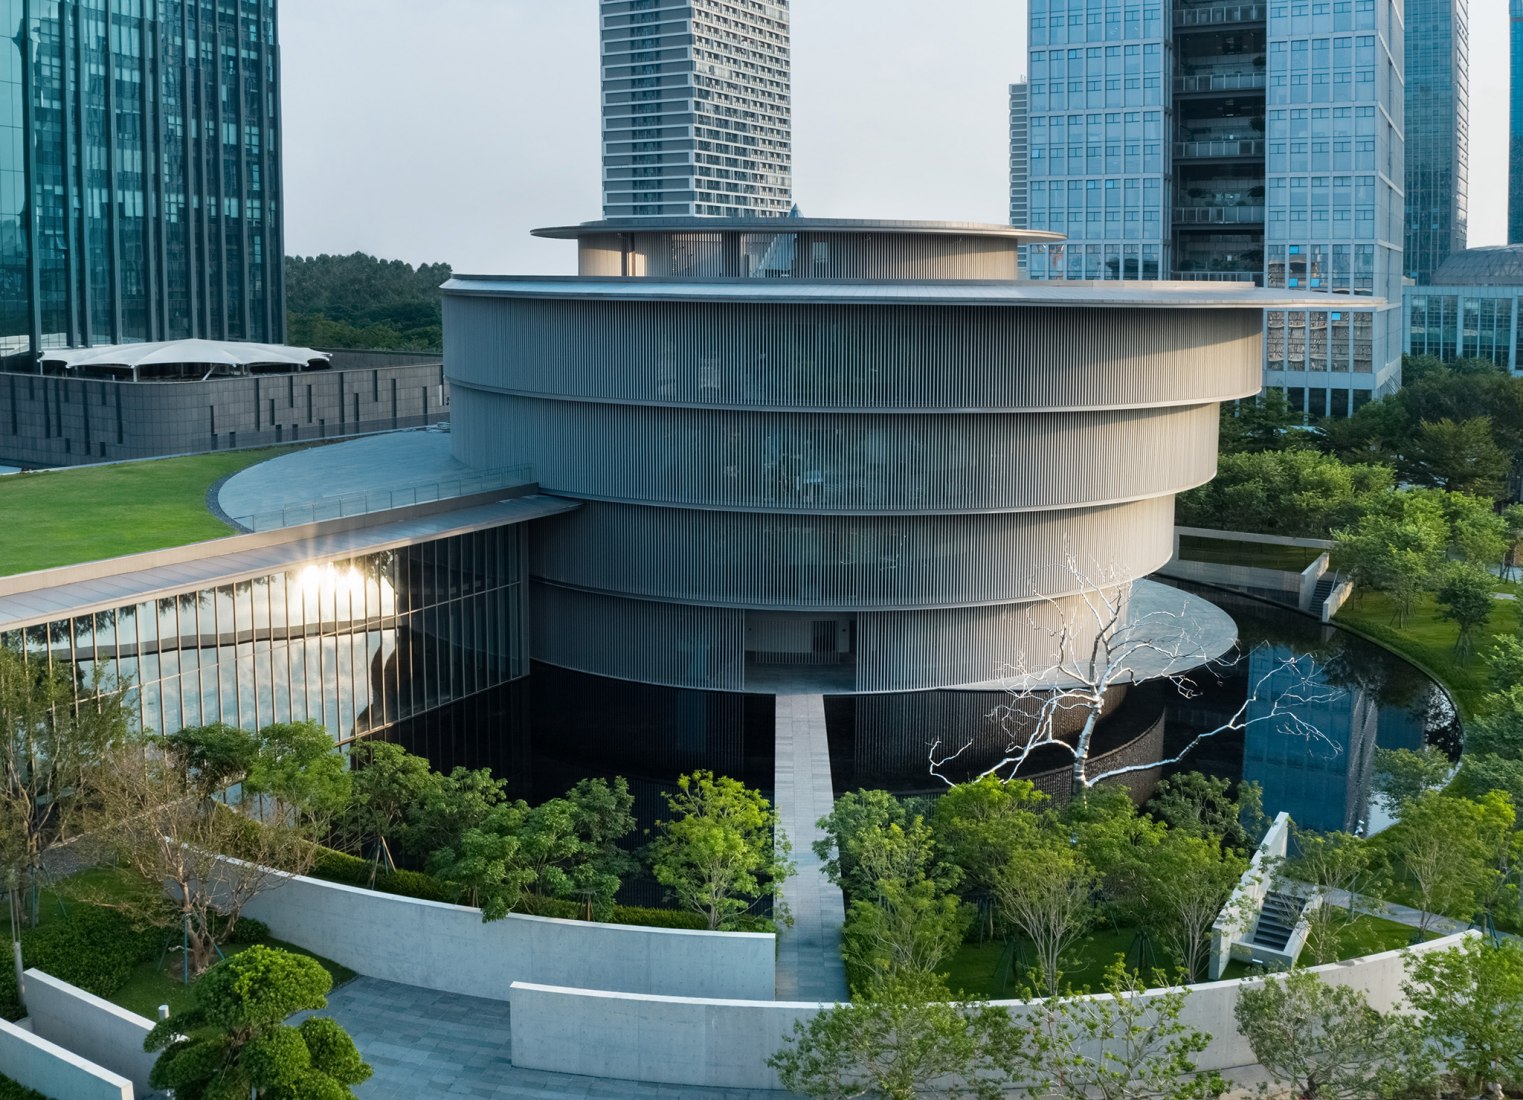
(385, 500)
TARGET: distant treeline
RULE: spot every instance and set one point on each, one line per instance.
(363, 302)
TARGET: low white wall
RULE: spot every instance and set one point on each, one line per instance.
(54, 1071)
(449, 948)
(725, 1043)
(1242, 908)
(1234, 576)
(97, 1030)
(1336, 599)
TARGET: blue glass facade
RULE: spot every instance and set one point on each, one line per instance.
(140, 183)
(1515, 129)
(1099, 101)
(1436, 133)
(1232, 141)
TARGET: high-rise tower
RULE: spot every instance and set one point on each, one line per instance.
(140, 180)
(1232, 140)
(1437, 132)
(1515, 129)
(696, 108)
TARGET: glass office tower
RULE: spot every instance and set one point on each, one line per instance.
(1020, 156)
(1515, 129)
(697, 114)
(140, 184)
(1232, 141)
(1437, 133)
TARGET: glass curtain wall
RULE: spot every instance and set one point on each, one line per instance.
(358, 644)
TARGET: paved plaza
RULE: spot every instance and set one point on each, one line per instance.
(425, 1044)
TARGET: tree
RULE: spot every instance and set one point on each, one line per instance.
(1461, 456)
(386, 784)
(490, 861)
(1477, 534)
(1263, 423)
(1335, 866)
(1470, 1001)
(233, 1040)
(1403, 774)
(298, 766)
(907, 928)
(856, 820)
(722, 852)
(1192, 877)
(1498, 728)
(1125, 1045)
(902, 1039)
(150, 812)
(570, 844)
(56, 730)
(213, 757)
(976, 825)
(1396, 551)
(1504, 660)
(449, 807)
(1466, 595)
(1512, 553)
(359, 301)
(1283, 492)
(1328, 1042)
(1445, 851)
(1046, 891)
(1097, 647)
(1203, 805)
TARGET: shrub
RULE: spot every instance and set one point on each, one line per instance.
(247, 930)
(9, 1090)
(92, 948)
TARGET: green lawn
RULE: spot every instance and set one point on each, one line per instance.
(1428, 640)
(1258, 555)
(62, 517)
(976, 967)
(1365, 935)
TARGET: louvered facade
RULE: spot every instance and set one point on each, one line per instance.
(836, 456)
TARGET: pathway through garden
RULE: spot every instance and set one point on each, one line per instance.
(809, 966)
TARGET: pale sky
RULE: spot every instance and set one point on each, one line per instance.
(444, 130)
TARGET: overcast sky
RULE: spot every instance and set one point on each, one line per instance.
(444, 130)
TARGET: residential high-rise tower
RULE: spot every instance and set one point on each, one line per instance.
(696, 108)
(1232, 141)
(1020, 156)
(140, 179)
(1437, 132)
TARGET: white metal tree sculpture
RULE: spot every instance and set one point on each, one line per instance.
(1098, 647)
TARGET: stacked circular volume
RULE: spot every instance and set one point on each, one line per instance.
(837, 456)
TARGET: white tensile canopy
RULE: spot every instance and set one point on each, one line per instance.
(210, 354)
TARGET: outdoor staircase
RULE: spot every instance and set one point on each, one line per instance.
(1325, 585)
(1277, 920)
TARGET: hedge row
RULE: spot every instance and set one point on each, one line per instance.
(9, 1090)
(95, 949)
(340, 867)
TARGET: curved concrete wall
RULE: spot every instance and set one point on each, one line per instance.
(450, 948)
(790, 355)
(870, 492)
(687, 645)
(859, 463)
(778, 561)
(725, 1044)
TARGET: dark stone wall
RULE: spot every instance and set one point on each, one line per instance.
(47, 421)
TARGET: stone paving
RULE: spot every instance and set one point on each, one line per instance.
(424, 1044)
(809, 966)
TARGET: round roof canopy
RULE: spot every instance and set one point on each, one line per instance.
(1499, 265)
(865, 226)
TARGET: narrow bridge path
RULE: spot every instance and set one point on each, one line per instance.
(809, 966)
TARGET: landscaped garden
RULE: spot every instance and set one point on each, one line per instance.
(62, 517)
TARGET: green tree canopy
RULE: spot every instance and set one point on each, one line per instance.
(722, 852)
(359, 301)
(233, 1041)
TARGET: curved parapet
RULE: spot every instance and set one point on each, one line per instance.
(835, 455)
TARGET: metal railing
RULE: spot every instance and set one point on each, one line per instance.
(1206, 214)
(1234, 81)
(1214, 15)
(1219, 147)
(383, 500)
(1254, 277)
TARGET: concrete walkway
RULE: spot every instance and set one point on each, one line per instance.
(424, 1044)
(809, 966)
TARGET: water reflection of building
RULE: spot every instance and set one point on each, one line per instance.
(1323, 780)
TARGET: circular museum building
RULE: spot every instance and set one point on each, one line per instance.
(836, 456)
